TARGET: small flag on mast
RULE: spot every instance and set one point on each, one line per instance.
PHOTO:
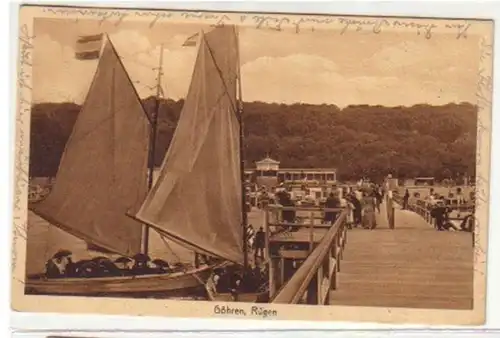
(192, 41)
(89, 47)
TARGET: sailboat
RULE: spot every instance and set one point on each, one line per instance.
(101, 194)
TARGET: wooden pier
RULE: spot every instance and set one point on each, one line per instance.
(304, 259)
(409, 264)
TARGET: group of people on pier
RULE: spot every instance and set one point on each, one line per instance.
(362, 203)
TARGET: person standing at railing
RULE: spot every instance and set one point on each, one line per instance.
(332, 202)
(260, 238)
(406, 198)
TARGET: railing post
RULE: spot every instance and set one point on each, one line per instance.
(282, 272)
(337, 250)
(333, 258)
(341, 241)
(311, 232)
(319, 283)
(312, 291)
(271, 261)
(325, 289)
(272, 276)
(345, 236)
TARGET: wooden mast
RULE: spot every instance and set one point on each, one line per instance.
(242, 154)
(152, 141)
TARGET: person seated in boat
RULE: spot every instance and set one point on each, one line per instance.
(140, 266)
(56, 266)
(87, 268)
(221, 279)
(232, 279)
(125, 265)
(77, 267)
(71, 268)
(254, 279)
(106, 267)
(247, 280)
(160, 266)
(216, 277)
(235, 286)
(52, 269)
(215, 280)
(211, 284)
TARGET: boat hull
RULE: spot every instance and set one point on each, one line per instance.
(178, 284)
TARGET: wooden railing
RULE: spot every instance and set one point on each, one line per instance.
(417, 206)
(317, 276)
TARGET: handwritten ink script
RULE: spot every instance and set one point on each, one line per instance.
(255, 311)
(22, 151)
(484, 92)
(296, 23)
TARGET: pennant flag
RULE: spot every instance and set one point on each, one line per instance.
(89, 47)
(192, 41)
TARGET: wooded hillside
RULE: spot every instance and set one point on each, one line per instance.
(421, 140)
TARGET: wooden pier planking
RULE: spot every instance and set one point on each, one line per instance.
(412, 266)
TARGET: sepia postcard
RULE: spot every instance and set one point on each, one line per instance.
(252, 165)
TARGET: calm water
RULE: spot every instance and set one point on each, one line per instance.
(44, 240)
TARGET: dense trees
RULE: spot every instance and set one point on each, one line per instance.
(421, 140)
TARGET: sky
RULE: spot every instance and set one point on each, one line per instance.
(316, 67)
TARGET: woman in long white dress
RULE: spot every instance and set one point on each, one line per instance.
(369, 203)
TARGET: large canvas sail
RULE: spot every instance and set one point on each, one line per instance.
(196, 200)
(103, 171)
